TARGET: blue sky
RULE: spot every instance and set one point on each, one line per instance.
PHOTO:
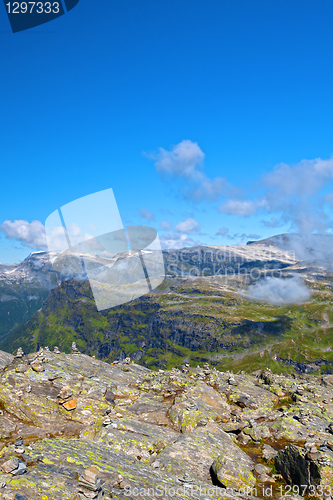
(187, 109)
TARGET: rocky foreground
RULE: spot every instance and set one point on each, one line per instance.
(73, 427)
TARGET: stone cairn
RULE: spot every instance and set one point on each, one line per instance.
(19, 447)
(74, 348)
(37, 362)
(66, 399)
(19, 353)
(119, 483)
(90, 486)
(56, 350)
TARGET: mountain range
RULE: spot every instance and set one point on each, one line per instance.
(242, 307)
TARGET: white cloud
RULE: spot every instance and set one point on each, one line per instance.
(238, 207)
(294, 192)
(222, 231)
(189, 226)
(301, 180)
(279, 291)
(30, 234)
(177, 241)
(145, 214)
(185, 161)
(293, 195)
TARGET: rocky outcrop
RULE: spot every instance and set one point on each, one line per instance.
(5, 359)
(81, 428)
(296, 467)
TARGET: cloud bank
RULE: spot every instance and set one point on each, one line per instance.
(294, 194)
(30, 234)
(279, 291)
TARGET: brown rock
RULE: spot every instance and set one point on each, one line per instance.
(90, 474)
(70, 405)
(10, 465)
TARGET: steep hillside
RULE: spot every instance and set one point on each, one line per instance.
(187, 320)
(24, 287)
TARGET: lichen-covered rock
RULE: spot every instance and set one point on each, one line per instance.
(233, 473)
(296, 468)
(194, 452)
(186, 429)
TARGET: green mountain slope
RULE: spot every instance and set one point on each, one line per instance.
(187, 320)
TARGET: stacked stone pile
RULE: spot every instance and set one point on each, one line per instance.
(90, 486)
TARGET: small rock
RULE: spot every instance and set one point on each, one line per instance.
(260, 469)
(265, 478)
(22, 468)
(268, 452)
(21, 368)
(119, 483)
(56, 350)
(14, 467)
(65, 393)
(232, 381)
(38, 367)
(90, 475)
(70, 405)
(246, 402)
(243, 438)
(10, 465)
